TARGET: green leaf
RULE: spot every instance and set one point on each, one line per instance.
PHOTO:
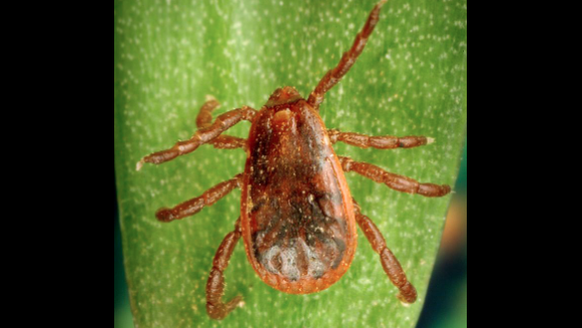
(410, 80)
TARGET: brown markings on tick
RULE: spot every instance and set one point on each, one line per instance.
(298, 219)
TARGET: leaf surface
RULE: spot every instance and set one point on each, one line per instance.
(410, 80)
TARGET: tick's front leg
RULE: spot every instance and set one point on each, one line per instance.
(333, 76)
(215, 307)
(394, 181)
(389, 261)
(202, 136)
(378, 142)
(195, 205)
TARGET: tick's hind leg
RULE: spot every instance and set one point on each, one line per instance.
(389, 261)
(394, 181)
(348, 59)
(215, 287)
(204, 119)
(195, 205)
(378, 142)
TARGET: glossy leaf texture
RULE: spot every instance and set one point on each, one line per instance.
(410, 80)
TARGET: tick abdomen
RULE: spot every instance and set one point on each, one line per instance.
(301, 236)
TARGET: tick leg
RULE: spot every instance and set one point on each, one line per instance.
(215, 287)
(389, 261)
(394, 181)
(333, 76)
(195, 205)
(378, 142)
(228, 142)
(202, 136)
(204, 119)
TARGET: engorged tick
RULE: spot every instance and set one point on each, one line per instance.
(298, 218)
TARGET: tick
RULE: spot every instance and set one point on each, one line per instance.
(298, 218)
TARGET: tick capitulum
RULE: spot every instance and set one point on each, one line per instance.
(298, 218)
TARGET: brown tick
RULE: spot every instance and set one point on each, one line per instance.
(298, 218)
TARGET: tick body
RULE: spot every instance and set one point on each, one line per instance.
(297, 214)
(298, 218)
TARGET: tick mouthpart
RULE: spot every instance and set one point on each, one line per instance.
(283, 96)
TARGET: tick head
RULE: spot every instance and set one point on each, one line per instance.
(283, 96)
